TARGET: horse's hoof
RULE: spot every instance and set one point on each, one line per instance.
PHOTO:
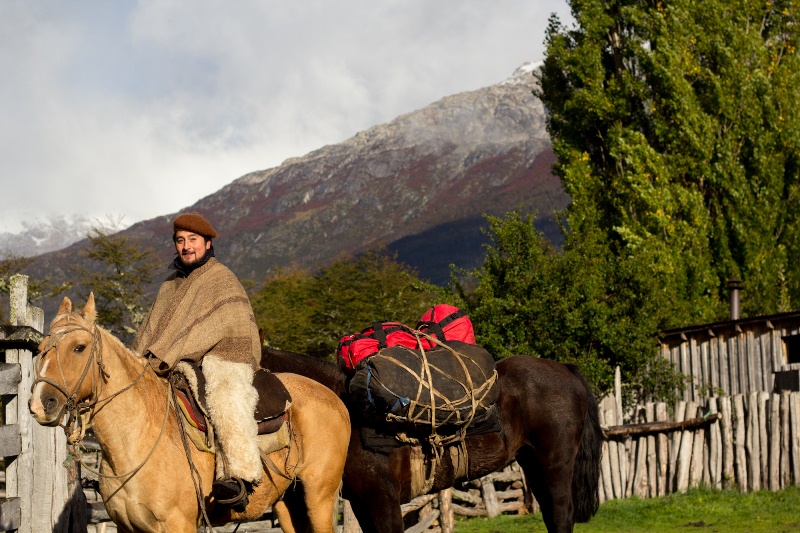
(232, 492)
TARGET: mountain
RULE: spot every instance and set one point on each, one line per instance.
(419, 184)
(40, 236)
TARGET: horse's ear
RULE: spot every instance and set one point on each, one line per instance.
(89, 312)
(65, 307)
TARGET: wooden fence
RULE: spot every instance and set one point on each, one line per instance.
(501, 492)
(40, 493)
(747, 441)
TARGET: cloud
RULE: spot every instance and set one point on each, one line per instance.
(142, 108)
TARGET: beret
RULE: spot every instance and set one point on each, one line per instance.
(195, 223)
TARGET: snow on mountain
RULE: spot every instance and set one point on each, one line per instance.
(47, 234)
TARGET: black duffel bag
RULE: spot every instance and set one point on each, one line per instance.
(399, 385)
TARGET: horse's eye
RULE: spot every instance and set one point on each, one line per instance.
(80, 348)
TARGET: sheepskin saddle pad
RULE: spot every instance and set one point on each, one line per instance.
(188, 382)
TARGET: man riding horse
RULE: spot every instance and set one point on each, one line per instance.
(203, 315)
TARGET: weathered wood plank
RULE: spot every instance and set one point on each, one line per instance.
(698, 446)
(446, 519)
(741, 354)
(349, 521)
(753, 443)
(21, 337)
(733, 365)
(794, 407)
(417, 503)
(774, 467)
(463, 510)
(764, 341)
(639, 476)
(652, 466)
(662, 450)
(10, 440)
(489, 498)
(763, 435)
(685, 451)
(786, 474)
(697, 372)
(706, 369)
(614, 455)
(714, 453)
(425, 523)
(10, 376)
(10, 514)
(675, 444)
(605, 463)
(650, 428)
(713, 364)
(686, 369)
(726, 436)
(468, 497)
(753, 361)
(740, 439)
(724, 372)
(778, 357)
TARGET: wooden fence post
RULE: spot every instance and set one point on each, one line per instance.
(349, 519)
(740, 438)
(446, 519)
(48, 501)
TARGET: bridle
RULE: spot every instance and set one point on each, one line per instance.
(79, 413)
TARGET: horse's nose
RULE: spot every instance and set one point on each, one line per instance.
(47, 404)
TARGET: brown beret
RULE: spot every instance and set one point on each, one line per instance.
(195, 223)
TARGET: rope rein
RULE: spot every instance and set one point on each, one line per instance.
(196, 480)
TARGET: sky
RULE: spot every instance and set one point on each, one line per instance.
(138, 109)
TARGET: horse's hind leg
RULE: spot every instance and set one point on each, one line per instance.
(320, 502)
(550, 478)
(291, 511)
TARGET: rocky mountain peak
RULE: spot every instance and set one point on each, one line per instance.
(419, 184)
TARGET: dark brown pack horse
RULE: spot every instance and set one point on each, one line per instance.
(549, 423)
(146, 481)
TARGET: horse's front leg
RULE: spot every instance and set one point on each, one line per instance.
(372, 485)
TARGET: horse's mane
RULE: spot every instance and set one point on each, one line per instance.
(319, 370)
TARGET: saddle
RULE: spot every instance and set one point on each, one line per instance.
(188, 385)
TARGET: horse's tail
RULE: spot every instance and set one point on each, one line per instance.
(586, 472)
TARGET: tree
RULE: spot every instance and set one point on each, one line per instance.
(283, 308)
(310, 313)
(123, 269)
(38, 289)
(677, 131)
(584, 305)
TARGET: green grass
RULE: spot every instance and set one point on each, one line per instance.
(700, 510)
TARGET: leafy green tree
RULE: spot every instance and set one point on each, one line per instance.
(283, 307)
(585, 305)
(123, 268)
(677, 131)
(310, 313)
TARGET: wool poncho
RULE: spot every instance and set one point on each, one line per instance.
(207, 312)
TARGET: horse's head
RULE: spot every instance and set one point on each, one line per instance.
(66, 367)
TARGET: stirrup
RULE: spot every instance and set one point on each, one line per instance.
(231, 492)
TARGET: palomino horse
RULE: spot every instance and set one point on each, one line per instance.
(146, 482)
(548, 422)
